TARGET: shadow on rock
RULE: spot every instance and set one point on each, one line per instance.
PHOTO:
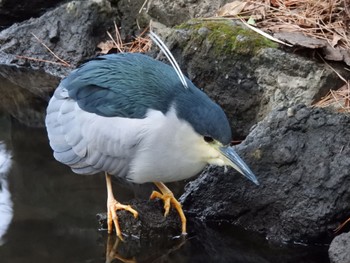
(300, 157)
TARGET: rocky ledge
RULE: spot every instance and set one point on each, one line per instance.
(299, 153)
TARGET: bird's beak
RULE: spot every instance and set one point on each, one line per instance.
(232, 159)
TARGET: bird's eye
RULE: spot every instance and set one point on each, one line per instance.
(208, 139)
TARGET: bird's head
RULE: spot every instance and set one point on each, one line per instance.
(212, 127)
(207, 119)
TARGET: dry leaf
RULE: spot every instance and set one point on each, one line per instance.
(332, 53)
(318, 22)
(256, 10)
(275, 3)
(283, 28)
(299, 39)
(106, 46)
(231, 9)
(335, 39)
(336, 99)
(346, 56)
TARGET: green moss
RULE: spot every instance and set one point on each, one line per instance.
(226, 36)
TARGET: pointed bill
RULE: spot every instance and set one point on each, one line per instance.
(237, 163)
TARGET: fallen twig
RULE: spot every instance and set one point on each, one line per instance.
(43, 60)
(57, 57)
(140, 44)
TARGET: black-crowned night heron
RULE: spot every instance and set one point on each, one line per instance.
(139, 119)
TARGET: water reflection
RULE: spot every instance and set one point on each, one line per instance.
(135, 250)
(51, 217)
(25, 92)
(6, 210)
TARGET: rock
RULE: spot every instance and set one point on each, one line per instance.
(171, 13)
(302, 165)
(25, 93)
(72, 31)
(238, 68)
(151, 223)
(244, 72)
(130, 17)
(298, 154)
(18, 10)
(339, 250)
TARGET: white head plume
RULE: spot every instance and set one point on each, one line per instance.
(170, 57)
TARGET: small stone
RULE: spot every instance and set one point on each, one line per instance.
(203, 31)
(290, 112)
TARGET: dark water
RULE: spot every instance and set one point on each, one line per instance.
(48, 214)
(54, 217)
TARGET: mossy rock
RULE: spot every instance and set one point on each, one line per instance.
(226, 36)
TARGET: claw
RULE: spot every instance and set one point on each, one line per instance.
(113, 207)
(168, 198)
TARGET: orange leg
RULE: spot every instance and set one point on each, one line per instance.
(112, 206)
(168, 198)
(112, 251)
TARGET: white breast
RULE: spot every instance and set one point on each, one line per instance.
(170, 150)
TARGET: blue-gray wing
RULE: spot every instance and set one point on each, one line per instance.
(87, 142)
(123, 85)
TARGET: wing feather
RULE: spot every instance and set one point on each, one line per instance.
(123, 85)
(90, 143)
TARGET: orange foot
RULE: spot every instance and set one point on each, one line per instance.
(113, 206)
(112, 251)
(168, 198)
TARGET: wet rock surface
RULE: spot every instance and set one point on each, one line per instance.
(302, 165)
(150, 223)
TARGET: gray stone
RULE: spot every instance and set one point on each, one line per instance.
(302, 165)
(72, 31)
(339, 250)
(171, 13)
(25, 93)
(242, 73)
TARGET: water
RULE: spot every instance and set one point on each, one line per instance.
(48, 213)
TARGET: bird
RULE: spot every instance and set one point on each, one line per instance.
(135, 118)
